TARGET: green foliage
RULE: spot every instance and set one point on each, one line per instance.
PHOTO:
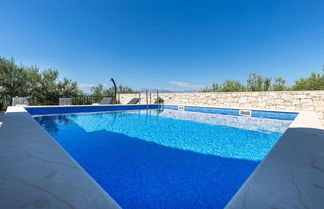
(227, 86)
(314, 82)
(99, 90)
(125, 90)
(159, 100)
(230, 86)
(42, 88)
(266, 84)
(216, 87)
(12, 78)
(279, 84)
(206, 89)
(256, 82)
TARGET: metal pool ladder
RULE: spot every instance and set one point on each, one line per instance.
(147, 96)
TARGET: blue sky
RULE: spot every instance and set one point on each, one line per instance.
(165, 44)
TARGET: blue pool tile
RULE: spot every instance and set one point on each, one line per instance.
(80, 109)
(170, 107)
(233, 111)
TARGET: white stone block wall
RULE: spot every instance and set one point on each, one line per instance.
(271, 100)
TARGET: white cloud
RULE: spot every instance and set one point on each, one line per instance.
(186, 85)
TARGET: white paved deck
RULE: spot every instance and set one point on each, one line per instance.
(292, 174)
(36, 172)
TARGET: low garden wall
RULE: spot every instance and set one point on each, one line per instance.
(272, 100)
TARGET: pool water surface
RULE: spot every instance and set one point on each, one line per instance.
(168, 158)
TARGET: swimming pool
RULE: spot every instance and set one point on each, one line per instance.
(166, 158)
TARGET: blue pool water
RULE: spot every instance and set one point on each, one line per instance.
(169, 158)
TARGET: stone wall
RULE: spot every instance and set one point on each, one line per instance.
(270, 100)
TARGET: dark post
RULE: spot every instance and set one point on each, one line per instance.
(115, 96)
(146, 99)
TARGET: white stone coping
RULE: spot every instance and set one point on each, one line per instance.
(292, 175)
(36, 172)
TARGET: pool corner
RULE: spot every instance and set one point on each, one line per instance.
(294, 164)
(37, 172)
